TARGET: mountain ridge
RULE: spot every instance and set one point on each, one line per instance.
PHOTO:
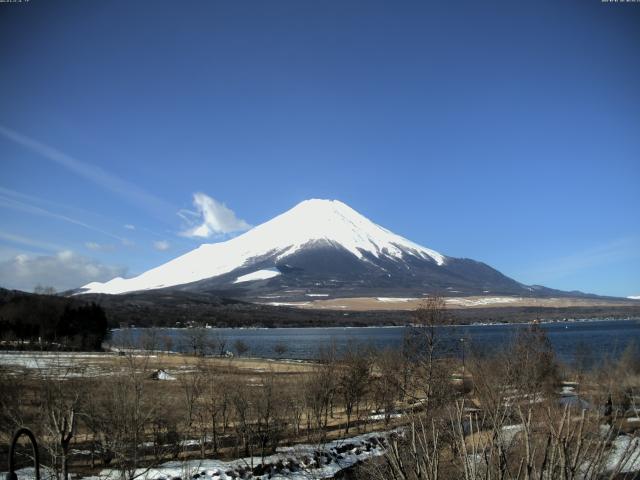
(321, 247)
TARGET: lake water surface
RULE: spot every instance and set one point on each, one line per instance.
(598, 340)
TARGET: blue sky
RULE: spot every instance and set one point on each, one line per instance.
(507, 132)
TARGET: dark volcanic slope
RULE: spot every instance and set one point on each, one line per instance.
(330, 270)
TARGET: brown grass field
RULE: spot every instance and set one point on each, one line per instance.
(473, 302)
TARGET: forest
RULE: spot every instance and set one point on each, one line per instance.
(49, 322)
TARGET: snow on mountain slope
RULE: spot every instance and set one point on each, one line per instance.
(257, 275)
(309, 221)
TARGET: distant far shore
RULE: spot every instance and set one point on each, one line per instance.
(469, 302)
(542, 321)
(289, 317)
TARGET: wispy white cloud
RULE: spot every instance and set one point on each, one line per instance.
(211, 218)
(31, 204)
(47, 203)
(62, 271)
(126, 190)
(615, 251)
(18, 205)
(128, 226)
(29, 242)
(99, 247)
(161, 245)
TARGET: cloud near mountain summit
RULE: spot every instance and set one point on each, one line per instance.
(211, 218)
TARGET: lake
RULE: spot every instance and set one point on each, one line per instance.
(599, 339)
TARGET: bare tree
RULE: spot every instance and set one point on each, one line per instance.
(320, 388)
(423, 348)
(120, 412)
(533, 368)
(242, 419)
(149, 339)
(387, 383)
(193, 386)
(269, 415)
(44, 290)
(240, 347)
(194, 341)
(216, 400)
(168, 343)
(60, 404)
(294, 401)
(280, 349)
(220, 342)
(353, 379)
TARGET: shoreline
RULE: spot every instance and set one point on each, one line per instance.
(111, 347)
(350, 327)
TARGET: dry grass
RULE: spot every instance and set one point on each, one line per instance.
(472, 302)
(104, 364)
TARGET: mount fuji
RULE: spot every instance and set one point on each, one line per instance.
(320, 248)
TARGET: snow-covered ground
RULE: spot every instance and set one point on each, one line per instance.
(509, 433)
(623, 454)
(382, 416)
(456, 301)
(163, 375)
(459, 301)
(299, 462)
(41, 359)
(61, 364)
(288, 304)
(67, 364)
(394, 299)
(625, 450)
(472, 302)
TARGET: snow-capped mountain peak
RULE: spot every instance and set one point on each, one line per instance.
(309, 222)
(336, 222)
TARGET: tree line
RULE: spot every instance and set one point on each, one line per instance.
(47, 321)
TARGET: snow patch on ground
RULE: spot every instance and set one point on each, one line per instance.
(393, 299)
(382, 416)
(41, 359)
(471, 302)
(162, 375)
(53, 364)
(287, 304)
(509, 433)
(61, 364)
(624, 449)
